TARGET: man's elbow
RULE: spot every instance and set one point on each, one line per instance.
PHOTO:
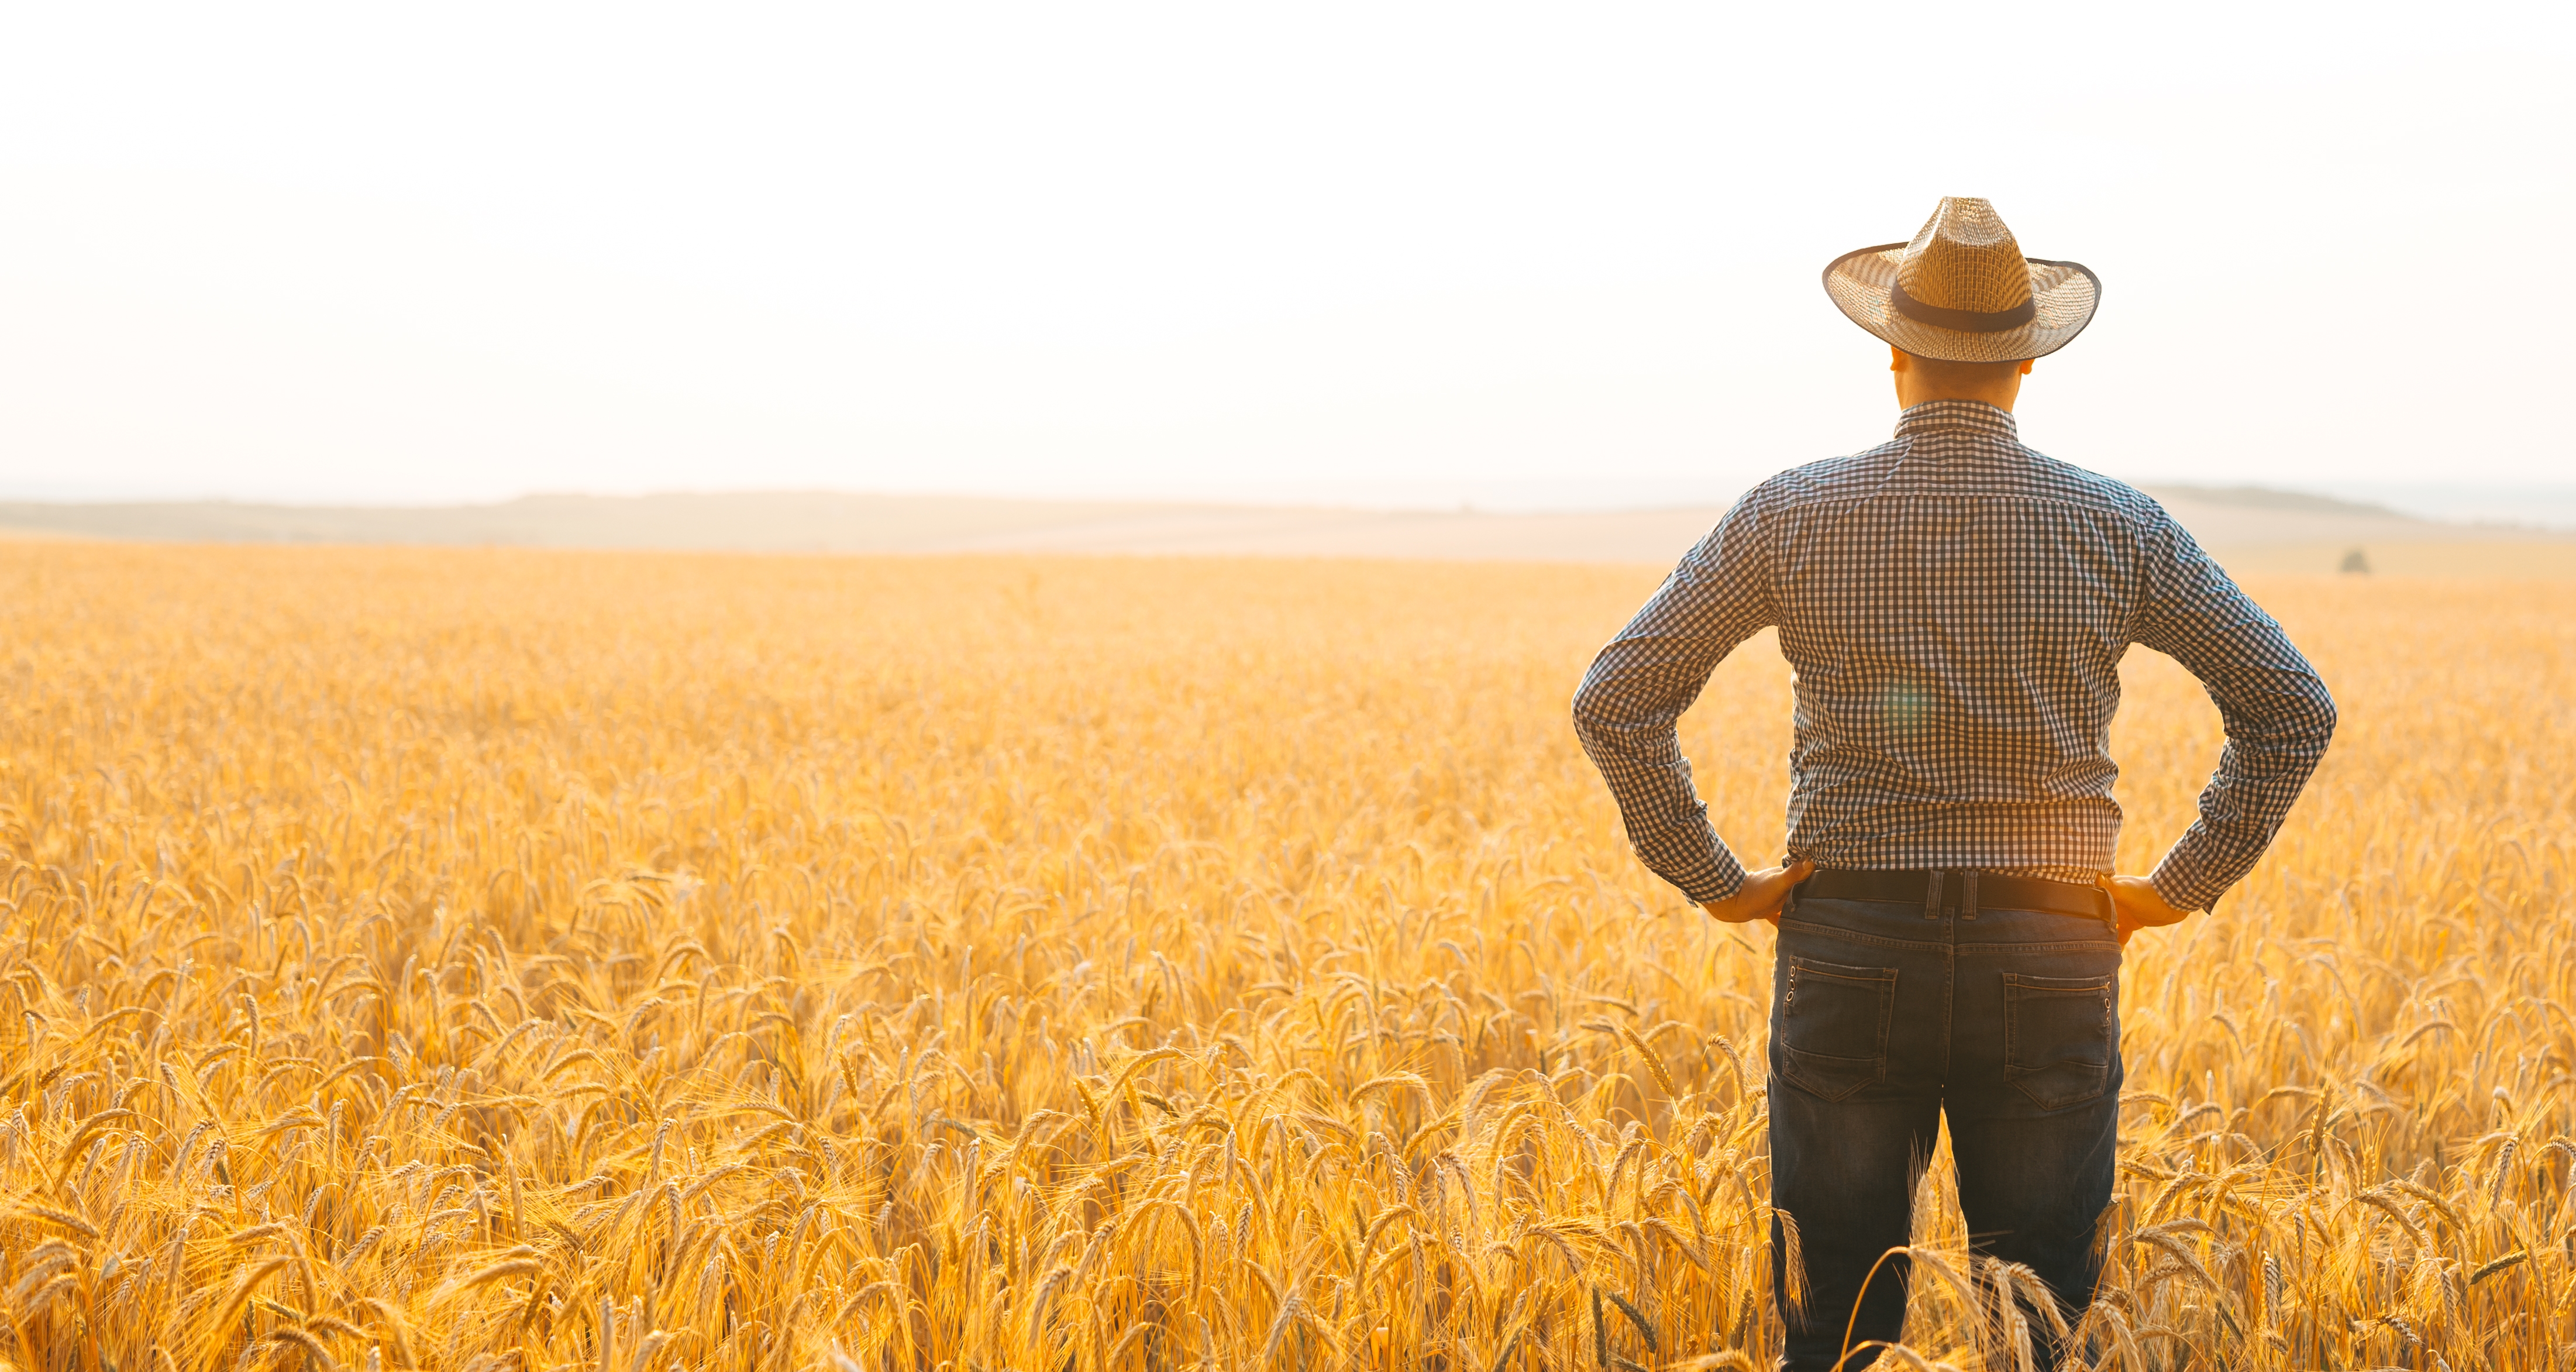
(2321, 718)
(1592, 709)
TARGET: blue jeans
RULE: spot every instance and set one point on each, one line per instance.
(1881, 1020)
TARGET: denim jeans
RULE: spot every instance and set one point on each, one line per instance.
(1883, 1018)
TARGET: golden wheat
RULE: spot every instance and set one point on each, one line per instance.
(494, 959)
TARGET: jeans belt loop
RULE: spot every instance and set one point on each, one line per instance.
(1932, 896)
(1968, 894)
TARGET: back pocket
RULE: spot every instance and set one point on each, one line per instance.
(2059, 1034)
(1833, 1025)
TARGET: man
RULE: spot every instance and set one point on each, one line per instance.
(1955, 606)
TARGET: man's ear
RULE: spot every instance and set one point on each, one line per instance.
(2025, 365)
(1896, 358)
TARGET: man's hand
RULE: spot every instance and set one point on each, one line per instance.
(2140, 905)
(1761, 895)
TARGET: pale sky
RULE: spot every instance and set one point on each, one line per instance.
(1511, 254)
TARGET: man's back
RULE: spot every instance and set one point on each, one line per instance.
(1955, 606)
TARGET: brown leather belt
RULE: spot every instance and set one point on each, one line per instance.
(1959, 891)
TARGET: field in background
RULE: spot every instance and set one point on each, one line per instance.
(457, 959)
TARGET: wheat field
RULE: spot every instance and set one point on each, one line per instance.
(490, 959)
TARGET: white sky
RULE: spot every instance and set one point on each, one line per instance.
(1520, 255)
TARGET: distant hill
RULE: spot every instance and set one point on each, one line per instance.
(821, 521)
(2268, 498)
(2250, 526)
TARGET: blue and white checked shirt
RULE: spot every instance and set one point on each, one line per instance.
(1955, 607)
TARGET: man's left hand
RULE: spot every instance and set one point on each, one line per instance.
(1761, 895)
(2141, 906)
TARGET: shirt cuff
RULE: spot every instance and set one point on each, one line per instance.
(2185, 885)
(1713, 877)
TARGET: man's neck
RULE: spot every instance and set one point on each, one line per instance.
(2002, 399)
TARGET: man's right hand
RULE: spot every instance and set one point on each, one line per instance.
(1761, 895)
(2141, 906)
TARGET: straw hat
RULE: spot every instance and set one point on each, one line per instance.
(1962, 291)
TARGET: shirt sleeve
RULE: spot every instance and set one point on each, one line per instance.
(1626, 709)
(2278, 715)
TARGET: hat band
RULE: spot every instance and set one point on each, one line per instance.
(1965, 321)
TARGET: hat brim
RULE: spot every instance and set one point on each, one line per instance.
(2063, 298)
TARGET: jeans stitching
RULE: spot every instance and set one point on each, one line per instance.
(1886, 1014)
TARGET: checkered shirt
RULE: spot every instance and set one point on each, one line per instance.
(1955, 607)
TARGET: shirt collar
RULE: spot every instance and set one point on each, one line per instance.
(1962, 418)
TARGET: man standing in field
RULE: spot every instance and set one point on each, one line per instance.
(1955, 606)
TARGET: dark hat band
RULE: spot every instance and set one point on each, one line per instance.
(1965, 321)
